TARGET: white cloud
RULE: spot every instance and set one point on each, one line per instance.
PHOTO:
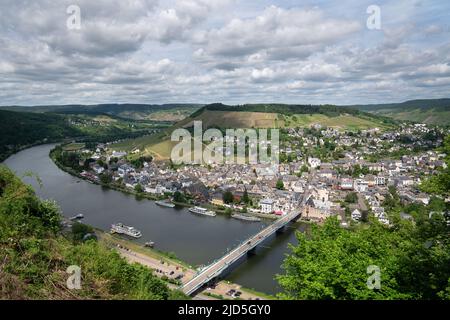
(209, 51)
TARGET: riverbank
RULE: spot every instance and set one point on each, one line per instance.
(72, 172)
(143, 195)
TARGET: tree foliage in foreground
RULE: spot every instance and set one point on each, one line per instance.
(331, 262)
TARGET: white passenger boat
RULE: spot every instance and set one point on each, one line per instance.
(202, 211)
(123, 229)
(77, 217)
(246, 218)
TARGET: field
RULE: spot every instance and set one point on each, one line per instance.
(170, 115)
(73, 146)
(235, 119)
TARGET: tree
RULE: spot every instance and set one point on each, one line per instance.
(228, 211)
(280, 185)
(138, 188)
(179, 197)
(79, 230)
(105, 178)
(228, 197)
(331, 262)
(245, 197)
(351, 197)
(439, 184)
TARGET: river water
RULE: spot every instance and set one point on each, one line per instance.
(197, 240)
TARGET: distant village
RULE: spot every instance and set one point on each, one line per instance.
(351, 182)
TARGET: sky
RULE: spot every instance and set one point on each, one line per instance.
(229, 51)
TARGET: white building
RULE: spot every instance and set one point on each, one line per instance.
(361, 185)
(266, 205)
(347, 184)
(118, 154)
(380, 180)
(356, 215)
(314, 162)
(98, 169)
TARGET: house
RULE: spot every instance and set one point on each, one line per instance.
(266, 205)
(316, 210)
(118, 154)
(326, 173)
(375, 167)
(124, 169)
(320, 193)
(361, 185)
(380, 180)
(217, 199)
(98, 169)
(356, 215)
(298, 187)
(314, 162)
(404, 181)
(415, 197)
(346, 184)
(382, 217)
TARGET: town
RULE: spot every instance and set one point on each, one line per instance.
(349, 175)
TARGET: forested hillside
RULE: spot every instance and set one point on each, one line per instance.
(155, 112)
(286, 109)
(430, 111)
(22, 129)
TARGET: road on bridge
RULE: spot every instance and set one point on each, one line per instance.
(216, 268)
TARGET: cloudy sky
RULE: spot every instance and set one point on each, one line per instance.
(231, 51)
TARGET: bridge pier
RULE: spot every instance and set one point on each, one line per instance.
(251, 252)
(281, 230)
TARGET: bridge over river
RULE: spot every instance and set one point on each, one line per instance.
(219, 266)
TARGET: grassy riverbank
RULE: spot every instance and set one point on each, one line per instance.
(143, 195)
(113, 240)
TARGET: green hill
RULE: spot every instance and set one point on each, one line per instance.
(284, 116)
(430, 111)
(258, 116)
(22, 129)
(154, 112)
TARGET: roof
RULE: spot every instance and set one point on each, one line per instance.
(266, 201)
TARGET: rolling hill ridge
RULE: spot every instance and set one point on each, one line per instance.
(429, 111)
(258, 116)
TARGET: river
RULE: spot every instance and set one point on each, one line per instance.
(198, 240)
